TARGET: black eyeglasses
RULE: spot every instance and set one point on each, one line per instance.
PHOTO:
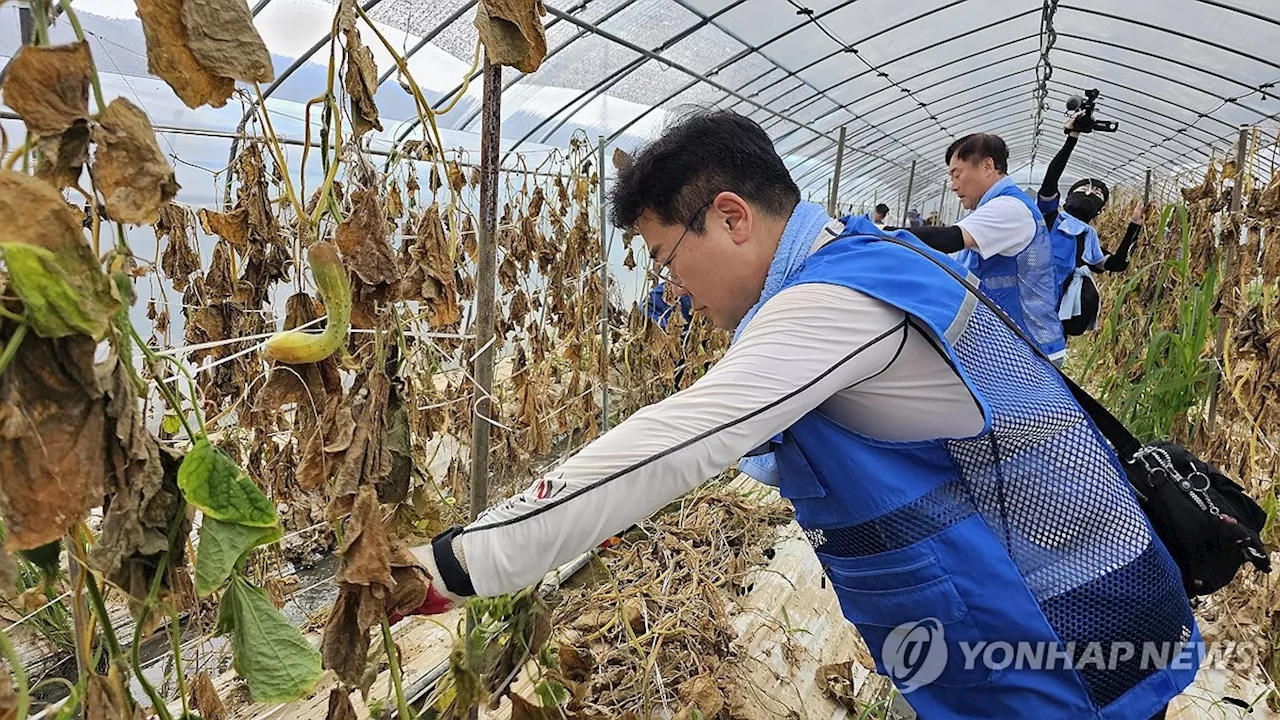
(664, 274)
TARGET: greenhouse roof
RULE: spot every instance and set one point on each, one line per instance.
(903, 78)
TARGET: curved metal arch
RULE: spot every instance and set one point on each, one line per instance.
(678, 66)
(507, 84)
(895, 179)
(858, 136)
(1011, 140)
(621, 74)
(748, 83)
(1146, 112)
(1164, 78)
(995, 48)
(819, 16)
(462, 9)
(1143, 93)
(1172, 61)
(967, 36)
(1168, 31)
(1140, 121)
(899, 97)
(1188, 124)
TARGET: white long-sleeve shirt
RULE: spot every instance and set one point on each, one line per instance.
(864, 363)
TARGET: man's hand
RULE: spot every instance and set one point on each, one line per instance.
(1139, 213)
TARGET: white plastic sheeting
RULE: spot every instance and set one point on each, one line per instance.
(904, 78)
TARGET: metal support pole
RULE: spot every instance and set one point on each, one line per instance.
(604, 300)
(942, 199)
(1146, 194)
(911, 181)
(1233, 249)
(486, 271)
(835, 179)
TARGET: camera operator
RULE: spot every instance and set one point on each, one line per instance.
(1003, 240)
(1077, 251)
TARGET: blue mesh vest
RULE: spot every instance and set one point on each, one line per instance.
(1023, 284)
(1027, 532)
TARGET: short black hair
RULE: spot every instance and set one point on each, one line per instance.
(977, 146)
(882, 209)
(704, 153)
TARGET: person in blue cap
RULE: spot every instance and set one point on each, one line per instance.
(955, 493)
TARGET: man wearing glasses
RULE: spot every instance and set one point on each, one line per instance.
(955, 493)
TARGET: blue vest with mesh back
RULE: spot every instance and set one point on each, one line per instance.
(1026, 532)
(1023, 284)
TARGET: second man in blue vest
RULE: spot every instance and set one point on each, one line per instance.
(1003, 240)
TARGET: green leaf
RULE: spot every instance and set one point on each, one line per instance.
(64, 292)
(171, 424)
(212, 481)
(222, 546)
(271, 655)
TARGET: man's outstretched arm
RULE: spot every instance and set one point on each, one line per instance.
(787, 363)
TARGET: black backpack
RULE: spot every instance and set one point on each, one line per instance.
(1205, 520)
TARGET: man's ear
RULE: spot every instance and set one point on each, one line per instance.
(737, 215)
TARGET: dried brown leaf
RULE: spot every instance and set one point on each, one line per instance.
(345, 645)
(179, 259)
(361, 83)
(702, 694)
(129, 169)
(204, 696)
(231, 226)
(218, 283)
(522, 709)
(457, 180)
(836, 680)
(49, 87)
(53, 427)
(62, 157)
(340, 707)
(362, 238)
(621, 159)
(313, 467)
(142, 488)
(411, 582)
(224, 41)
(429, 273)
(170, 58)
(512, 32)
(365, 549)
(366, 459)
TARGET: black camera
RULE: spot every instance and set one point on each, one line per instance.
(1085, 121)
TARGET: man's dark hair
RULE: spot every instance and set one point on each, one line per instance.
(882, 209)
(975, 147)
(706, 152)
